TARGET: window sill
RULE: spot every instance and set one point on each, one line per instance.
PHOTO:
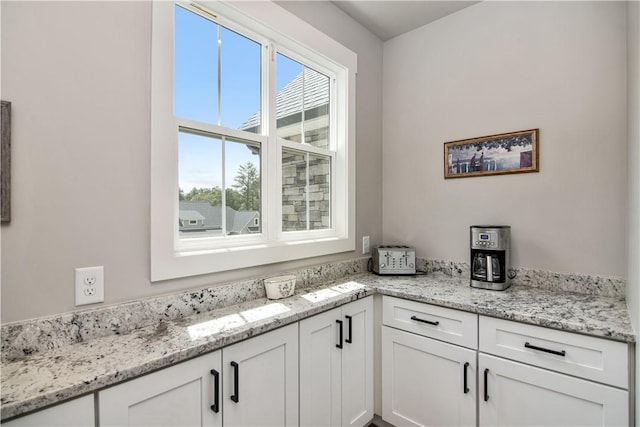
(175, 264)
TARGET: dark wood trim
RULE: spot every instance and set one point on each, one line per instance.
(5, 162)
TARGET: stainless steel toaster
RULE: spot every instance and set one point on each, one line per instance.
(393, 259)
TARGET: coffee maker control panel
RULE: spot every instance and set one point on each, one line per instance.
(484, 241)
(489, 239)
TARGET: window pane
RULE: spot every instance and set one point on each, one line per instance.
(216, 74)
(319, 192)
(294, 183)
(302, 103)
(240, 82)
(306, 191)
(195, 67)
(203, 211)
(242, 165)
(316, 109)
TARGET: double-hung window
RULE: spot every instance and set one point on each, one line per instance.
(252, 139)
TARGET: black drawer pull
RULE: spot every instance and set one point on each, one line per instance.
(546, 350)
(417, 319)
(339, 322)
(216, 391)
(486, 385)
(348, 340)
(236, 373)
(466, 386)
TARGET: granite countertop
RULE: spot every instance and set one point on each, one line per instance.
(604, 317)
(46, 377)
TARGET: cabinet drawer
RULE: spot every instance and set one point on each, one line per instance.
(592, 358)
(446, 324)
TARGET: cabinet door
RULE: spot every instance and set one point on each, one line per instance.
(357, 363)
(426, 382)
(261, 380)
(515, 394)
(320, 370)
(180, 395)
(76, 412)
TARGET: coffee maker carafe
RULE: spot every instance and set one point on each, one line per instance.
(490, 261)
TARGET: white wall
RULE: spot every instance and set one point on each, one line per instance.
(505, 66)
(633, 159)
(78, 75)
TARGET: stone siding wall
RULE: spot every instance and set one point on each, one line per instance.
(296, 196)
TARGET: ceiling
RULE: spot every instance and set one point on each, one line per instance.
(387, 19)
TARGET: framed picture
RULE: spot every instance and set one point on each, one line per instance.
(513, 152)
(5, 162)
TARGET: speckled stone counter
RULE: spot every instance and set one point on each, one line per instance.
(87, 351)
(45, 378)
(604, 317)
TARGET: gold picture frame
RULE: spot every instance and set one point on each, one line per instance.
(504, 153)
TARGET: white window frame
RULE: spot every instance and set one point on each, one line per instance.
(172, 258)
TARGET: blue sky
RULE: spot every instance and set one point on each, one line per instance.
(196, 94)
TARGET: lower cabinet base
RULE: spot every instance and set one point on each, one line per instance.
(518, 394)
(336, 366)
(426, 382)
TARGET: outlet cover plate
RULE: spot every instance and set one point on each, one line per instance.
(89, 285)
(365, 245)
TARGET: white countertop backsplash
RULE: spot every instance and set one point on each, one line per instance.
(55, 358)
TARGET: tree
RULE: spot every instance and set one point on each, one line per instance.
(244, 196)
(212, 195)
(506, 143)
(233, 199)
(247, 183)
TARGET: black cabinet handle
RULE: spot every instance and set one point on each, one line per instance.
(339, 322)
(216, 391)
(486, 386)
(417, 319)
(546, 350)
(236, 373)
(466, 386)
(348, 340)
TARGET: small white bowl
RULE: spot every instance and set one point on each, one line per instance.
(280, 286)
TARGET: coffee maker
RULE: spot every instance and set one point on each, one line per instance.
(490, 258)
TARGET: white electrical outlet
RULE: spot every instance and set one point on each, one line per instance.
(365, 245)
(89, 285)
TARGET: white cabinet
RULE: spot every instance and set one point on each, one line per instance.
(320, 370)
(251, 383)
(427, 382)
(357, 363)
(260, 380)
(76, 412)
(184, 394)
(515, 394)
(534, 389)
(526, 374)
(336, 366)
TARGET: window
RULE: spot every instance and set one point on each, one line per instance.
(252, 151)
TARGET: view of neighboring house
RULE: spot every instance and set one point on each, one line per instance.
(302, 108)
(198, 219)
(303, 101)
